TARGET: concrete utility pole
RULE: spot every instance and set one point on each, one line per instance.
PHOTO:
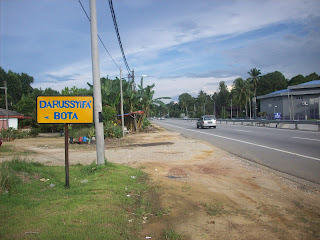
(231, 110)
(122, 116)
(6, 97)
(255, 107)
(290, 117)
(319, 109)
(133, 87)
(98, 121)
(293, 107)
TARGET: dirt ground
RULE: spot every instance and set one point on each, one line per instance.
(200, 191)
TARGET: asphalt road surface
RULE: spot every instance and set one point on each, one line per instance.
(293, 152)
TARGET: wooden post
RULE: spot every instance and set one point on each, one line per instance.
(66, 153)
(135, 122)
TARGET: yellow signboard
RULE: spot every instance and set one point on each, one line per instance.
(64, 109)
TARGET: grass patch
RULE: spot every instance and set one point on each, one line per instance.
(161, 212)
(6, 149)
(103, 207)
(171, 235)
(214, 209)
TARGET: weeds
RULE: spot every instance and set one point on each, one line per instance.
(8, 179)
(12, 172)
(161, 212)
(172, 235)
(22, 165)
(6, 148)
(214, 209)
(91, 169)
(186, 188)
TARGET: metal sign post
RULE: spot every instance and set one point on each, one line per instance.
(66, 110)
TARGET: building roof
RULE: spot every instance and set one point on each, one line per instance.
(283, 92)
(280, 91)
(312, 87)
(11, 114)
(310, 83)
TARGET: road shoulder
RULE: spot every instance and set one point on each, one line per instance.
(204, 192)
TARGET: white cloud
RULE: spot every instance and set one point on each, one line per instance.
(199, 42)
(175, 86)
(215, 21)
(292, 55)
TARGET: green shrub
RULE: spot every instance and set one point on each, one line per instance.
(146, 123)
(109, 114)
(22, 134)
(34, 132)
(112, 130)
(9, 133)
(82, 132)
(16, 134)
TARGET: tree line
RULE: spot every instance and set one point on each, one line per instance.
(239, 100)
(22, 98)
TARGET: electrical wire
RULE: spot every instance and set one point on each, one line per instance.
(99, 36)
(118, 35)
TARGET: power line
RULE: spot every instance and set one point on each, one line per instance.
(99, 36)
(118, 35)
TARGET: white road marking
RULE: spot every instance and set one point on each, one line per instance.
(241, 130)
(254, 144)
(308, 139)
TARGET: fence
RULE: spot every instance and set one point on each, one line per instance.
(265, 122)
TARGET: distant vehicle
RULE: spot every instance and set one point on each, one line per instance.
(207, 121)
(162, 118)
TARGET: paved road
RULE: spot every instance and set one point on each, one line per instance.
(290, 151)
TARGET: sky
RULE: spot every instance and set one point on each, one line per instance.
(183, 46)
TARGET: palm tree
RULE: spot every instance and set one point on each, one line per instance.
(240, 92)
(254, 77)
(223, 98)
(185, 101)
(202, 98)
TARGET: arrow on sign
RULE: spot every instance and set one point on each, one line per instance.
(47, 117)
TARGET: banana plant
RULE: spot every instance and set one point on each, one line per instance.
(145, 96)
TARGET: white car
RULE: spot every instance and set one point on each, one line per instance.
(207, 121)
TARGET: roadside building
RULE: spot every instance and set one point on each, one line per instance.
(295, 102)
(13, 118)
